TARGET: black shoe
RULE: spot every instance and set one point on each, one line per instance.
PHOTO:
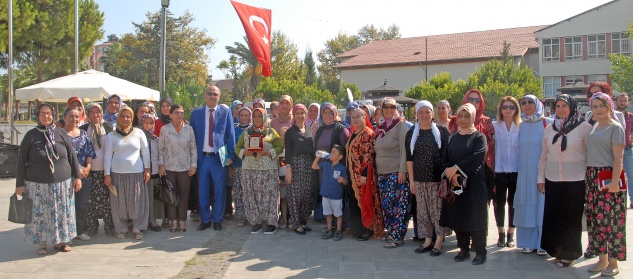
(270, 229)
(502, 240)
(422, 249)
(436, 252)
(364, 237)
(204, 226)
(306, 228)
(217, 226)
(109, 231)
(256, 229)
(479, 259)
(462, 256)
(300, 231)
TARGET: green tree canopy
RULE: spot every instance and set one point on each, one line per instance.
(623, 69)
(310, 69)
(271, 89)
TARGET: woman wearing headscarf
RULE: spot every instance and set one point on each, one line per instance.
(235, 169)
(369, 110)
(99, 200)
(312, 116)
(127, 167)
(113, 106)
(156, 207)
(141, 110)
(483, 124)
(506, 164)
(329, 133)
(178, 160)
(48, 174)
(348, 109)
(299, 156)
(274, 110)
(236, 106)
(606, 206)
(165, 106)
(463, 158)
(444, 113)
(561, 178)
(424, 144)
(602, 87)
(74, 102)
(528, 203)
(83, 149)
(365, 211)
(259, 174)
(391, 167)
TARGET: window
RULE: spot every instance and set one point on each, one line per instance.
(573, 48)
(570, 80)
(620, 43)
(594, 78)
(551, 49)
(597, 46)
(550, 86)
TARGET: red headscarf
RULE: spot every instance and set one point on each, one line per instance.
(82, 117)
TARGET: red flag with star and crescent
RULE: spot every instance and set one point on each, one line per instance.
(256, 22)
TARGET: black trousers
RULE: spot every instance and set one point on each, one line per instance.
(478, 241)
(506, 185)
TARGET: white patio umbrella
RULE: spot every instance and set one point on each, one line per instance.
(90, 86)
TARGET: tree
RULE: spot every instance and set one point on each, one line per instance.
(439, 87)
(24, 15)
(310, 69)
(342, 43)
(622, 68)
(271, 89)
(246, 59)
(341, 99)
(284, 58)
(232, 71)
(46, 40)
(138, 59)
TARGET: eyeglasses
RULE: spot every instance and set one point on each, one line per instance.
(179, 112)
(474, 100)
(508, 107)
(388, 107)
(527, 102)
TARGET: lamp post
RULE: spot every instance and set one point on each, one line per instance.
(163, 47)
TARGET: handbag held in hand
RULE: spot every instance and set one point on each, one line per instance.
(164, 191)
(20, 210)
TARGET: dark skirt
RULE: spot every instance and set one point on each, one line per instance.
(562, 219)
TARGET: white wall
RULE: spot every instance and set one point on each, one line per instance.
(404, 77)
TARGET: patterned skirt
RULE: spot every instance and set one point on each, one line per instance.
(394, 200)
(606, 218)
(99, 203)
(261, 196)
(53, 213)
(429, 207)
(300, 201)
(238, 194)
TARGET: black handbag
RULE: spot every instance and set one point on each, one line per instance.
(20, 211)
(164, 191)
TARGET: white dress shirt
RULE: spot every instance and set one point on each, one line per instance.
(506, 147)
(206, 147)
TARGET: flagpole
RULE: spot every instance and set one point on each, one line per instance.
(163, 47)
(76, 36)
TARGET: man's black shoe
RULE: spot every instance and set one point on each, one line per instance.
(203, 226)
(463, 255)
(217, 226)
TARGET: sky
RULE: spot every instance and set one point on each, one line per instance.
(311, 23)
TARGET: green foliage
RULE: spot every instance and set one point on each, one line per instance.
(342, 43)
(232, 71)
(341, 99)
(285, 60)
(495, 79)
(138, 58)
(249, 66)
(188, 95)
(44, 34)
(24, 14)
(623, 68)
(271, 89)
(310, 69)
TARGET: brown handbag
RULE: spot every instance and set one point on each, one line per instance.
(444, 191)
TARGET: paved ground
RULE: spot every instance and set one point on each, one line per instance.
(235, 253)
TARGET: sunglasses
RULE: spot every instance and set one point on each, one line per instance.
(508, 107)
(474, 100)
(527, 102)
(389, 107)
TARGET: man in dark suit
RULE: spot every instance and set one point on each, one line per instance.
(213, 127)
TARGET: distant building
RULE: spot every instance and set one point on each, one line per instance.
(407, 61)
(98, 52)
(575, 50)
(225, 85)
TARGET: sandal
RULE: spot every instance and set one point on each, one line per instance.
(510, 243)
(300, 231)
(393, 244)
(156, 228)
(42, 251)
(436, 252)
(565, 263)
(63, 248)
(597, 267)
(541, 252)
(610, 272)
(138, 235)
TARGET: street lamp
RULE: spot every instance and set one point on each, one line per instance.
(163, 46)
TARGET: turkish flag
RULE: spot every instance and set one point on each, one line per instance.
(256, 22)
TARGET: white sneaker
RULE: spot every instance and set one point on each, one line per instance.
(541, 252)
(527, 251)
(83, 236)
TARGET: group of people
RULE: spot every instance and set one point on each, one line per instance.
(374, 165)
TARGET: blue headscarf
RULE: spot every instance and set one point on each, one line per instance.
(540, 110)
(233, 105)
(348, 120)
(330, 106)
(112, 117)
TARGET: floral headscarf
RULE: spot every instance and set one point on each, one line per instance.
(564, 126)
(96, 134)
(252, 129)
(259, 101)
(51, 150)
(608, 101)
(112, 117)
(250, 119)
(540, 110)
(329, 106)
(149, 134)
(298, 107)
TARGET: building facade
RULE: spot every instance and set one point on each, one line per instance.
(98, 52)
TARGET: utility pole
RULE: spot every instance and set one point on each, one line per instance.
(76, 36)
(163, 47)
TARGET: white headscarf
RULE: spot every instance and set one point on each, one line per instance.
(434, 129)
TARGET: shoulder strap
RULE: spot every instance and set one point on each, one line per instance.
(544, 123)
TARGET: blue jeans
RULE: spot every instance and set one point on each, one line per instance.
(211, 172)
(628, 169)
